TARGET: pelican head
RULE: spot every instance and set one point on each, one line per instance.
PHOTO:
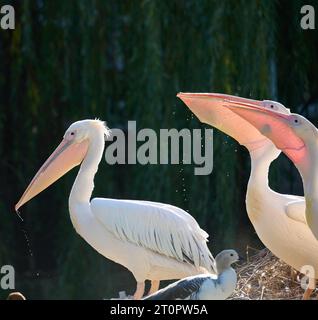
(291, 133)
(85, 129)
(297, 137)
(69, 154)
(303, 129)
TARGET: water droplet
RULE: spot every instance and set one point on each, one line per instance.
(25, 234)
(18, 214)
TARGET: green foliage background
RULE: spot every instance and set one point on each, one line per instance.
(126, 60)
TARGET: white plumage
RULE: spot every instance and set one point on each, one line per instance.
(154, 241)
(279, 219)
(164, 229)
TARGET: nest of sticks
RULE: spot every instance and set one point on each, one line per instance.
(264, 277)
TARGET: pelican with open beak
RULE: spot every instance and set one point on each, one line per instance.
(297, 137)
(279, 219)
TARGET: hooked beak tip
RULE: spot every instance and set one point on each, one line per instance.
(186, 95)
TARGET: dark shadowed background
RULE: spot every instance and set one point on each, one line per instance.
(126, 60)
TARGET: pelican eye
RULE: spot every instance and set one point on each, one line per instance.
(72, 133)
(296, 121)
(231, 254)
(272, 106)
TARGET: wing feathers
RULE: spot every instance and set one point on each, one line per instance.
(165, 229)
(187, 288)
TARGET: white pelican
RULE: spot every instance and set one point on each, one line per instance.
(278, 219)
(154, 241)
(204, 286)
(297, 137)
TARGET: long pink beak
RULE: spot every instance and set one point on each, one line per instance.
(275, 126)
(210, 108)
(65, 157)
(201, 103)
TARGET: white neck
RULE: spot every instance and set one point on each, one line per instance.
(84, 183)
(259, 172)
(258, 191)
(309, 174)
